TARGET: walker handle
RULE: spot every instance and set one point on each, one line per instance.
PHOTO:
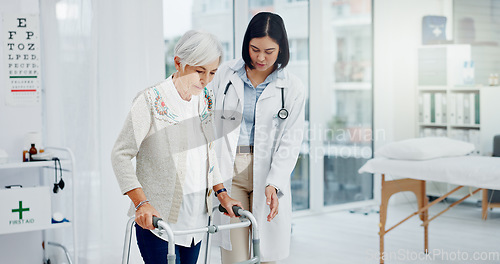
(155, 221)
(235, 209)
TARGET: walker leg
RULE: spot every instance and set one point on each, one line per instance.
(128, 238)
(171, 259)
(256, 249)
(208, 244)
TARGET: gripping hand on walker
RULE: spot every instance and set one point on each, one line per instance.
(226, 201)
(272, 201)
(144, 216)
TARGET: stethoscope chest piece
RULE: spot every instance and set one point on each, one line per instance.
(283, 113)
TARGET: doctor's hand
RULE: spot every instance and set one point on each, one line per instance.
(227, 202)
(272, 201)
(144, 216)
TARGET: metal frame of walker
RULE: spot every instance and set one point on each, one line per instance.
(246, 218)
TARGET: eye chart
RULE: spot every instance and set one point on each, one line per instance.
(21, 49)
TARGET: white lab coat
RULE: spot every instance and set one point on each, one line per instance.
(277, 145)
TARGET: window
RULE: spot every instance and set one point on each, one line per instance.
(295, 18)
(345, 106)
(215, 6)
(347, 141)
(299, 49)
(214, 16)
(477, 23)
(260, 3)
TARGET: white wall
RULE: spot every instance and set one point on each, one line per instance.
(96, 56)
(397, 31)
(397, 35)
(16, 121)
(131, 58)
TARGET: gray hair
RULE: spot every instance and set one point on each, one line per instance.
(198, 48)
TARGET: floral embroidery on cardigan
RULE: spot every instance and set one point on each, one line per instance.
(162, 112)
(207, 105)
(209, 99)
(159, 108)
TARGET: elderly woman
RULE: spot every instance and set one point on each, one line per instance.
(169, 131)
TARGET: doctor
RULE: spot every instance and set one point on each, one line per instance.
(259, 116)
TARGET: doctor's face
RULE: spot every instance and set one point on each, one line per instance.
(263, 53)
(194, 78)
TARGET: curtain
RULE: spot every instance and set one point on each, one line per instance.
(97, 55)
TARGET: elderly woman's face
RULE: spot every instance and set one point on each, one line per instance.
(195, 78)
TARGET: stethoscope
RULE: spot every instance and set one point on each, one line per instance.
(282, 113)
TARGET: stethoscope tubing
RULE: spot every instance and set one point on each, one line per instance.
(282, 113)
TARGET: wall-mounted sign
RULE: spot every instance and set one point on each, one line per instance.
(21, 48)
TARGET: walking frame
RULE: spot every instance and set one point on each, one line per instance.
(246, 218)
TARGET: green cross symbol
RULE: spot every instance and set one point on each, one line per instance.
(20, 210)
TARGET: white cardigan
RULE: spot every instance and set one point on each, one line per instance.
(158, 141)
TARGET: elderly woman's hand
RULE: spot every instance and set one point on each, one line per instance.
(227, 202)
(144, 216)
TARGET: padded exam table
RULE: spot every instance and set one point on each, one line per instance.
(475, 171)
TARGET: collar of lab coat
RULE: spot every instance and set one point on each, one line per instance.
(238, 64)
(279, 83)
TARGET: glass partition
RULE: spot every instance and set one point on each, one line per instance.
(346, 65)
(348, 125)
(296, 17)
(214, 16)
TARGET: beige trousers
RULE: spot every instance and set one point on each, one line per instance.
(241, 190)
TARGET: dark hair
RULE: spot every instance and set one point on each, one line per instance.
(266, 24)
